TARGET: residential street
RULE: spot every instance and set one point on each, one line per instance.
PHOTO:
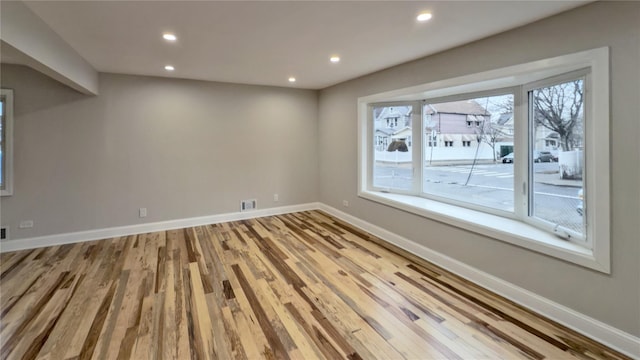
(492, 185)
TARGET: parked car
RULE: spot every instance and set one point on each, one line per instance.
(543, 156)
(580, 207)
(538, 156)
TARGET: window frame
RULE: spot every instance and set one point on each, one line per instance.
(512, 90)
(7, 132)
(415, 135)
(583, 74)
(595, 253)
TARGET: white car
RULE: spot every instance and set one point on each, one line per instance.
(507, 158)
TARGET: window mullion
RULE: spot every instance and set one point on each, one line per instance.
(369, 148)
(417, 130)
(520, 164)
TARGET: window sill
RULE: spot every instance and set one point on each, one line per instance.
(508, 230)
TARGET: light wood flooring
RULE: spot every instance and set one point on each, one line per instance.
(295, 286)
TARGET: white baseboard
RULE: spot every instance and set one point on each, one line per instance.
(80, 236)
(595, 329)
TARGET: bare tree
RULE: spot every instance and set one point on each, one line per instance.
(506, 105)
(491, 133)
(559, 108)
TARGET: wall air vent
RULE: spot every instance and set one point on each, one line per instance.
(246, 205)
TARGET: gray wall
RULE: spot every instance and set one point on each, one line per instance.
(613, 299)
(179, 148)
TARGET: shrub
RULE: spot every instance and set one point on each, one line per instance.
(398, 145)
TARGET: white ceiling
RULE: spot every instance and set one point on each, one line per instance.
(265, 42)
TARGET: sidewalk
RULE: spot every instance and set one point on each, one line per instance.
(554, 179)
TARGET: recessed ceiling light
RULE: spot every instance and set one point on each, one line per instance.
(424, 16)
(169, 37)
(169, 68)
(292, 79)
(334, 59)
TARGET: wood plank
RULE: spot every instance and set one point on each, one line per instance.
(203, 331)
(277, 348)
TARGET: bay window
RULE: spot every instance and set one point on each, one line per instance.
(497, 172)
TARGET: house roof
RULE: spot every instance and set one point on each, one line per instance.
(402, 132)
(392, 111)
(386, 131)
(504, 118)
(392, 114)
(468, 107)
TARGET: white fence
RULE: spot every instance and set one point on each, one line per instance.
(571, 164)
(438, 154)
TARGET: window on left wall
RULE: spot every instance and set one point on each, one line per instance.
(6, 142)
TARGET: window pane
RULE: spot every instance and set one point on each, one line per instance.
(557, 154)
(392, 144)
(469, 151)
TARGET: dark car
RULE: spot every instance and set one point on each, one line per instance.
(543, 156)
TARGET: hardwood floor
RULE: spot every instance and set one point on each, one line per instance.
(299, 286)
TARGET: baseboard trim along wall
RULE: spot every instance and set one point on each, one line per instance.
(80, 236)
(595, 329)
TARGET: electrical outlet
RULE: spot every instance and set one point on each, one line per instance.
(25, 224)
(276, 197)
(345, 203)
(142, 212)
(4, 234)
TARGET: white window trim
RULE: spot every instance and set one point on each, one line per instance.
(542, 223)
(596, 255)
(8, 138)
